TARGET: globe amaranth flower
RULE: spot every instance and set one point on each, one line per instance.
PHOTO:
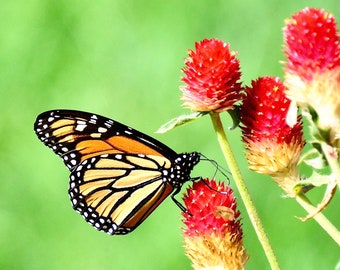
(312, 70)
(211, 78)
(213, 236)
(272, 146)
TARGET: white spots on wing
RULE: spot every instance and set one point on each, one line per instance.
(102, 129)
(108, 123)
(112, 229)
(81, 125)
(118, 156)
(93, 119)
(96, 135)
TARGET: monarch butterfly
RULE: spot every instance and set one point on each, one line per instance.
(118, 175)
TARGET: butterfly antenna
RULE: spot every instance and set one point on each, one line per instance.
(219, 168)
(213, 189)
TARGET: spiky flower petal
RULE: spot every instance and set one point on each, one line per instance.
(211, 77)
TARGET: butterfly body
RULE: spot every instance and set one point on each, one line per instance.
(118, 175)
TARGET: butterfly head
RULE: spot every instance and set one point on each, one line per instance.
(182, 167)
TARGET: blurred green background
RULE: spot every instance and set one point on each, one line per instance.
(122, 59)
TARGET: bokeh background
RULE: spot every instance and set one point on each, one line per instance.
(122, 59)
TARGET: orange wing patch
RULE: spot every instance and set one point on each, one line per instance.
(131, 146)
(113, 145)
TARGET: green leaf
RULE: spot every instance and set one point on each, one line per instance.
(317, 163)
(235, 116)
(314, 159)
(179, 121)
(317, 132)
(317, 180)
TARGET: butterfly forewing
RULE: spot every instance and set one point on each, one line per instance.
(118, 175)
(76, 136)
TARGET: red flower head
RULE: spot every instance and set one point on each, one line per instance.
(311, 43)
(213, 233)
(273, 147)
(312, 72)
(211, 77)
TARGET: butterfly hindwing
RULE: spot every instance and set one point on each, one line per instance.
(116, 192)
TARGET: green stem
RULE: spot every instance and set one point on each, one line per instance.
(302, 199)
(332, 159)
(243, 190)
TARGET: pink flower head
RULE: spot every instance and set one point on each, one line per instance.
(312, 72)
(211, 209)
(211, 77)
(311, 43)
(213, 234)
(273, 147)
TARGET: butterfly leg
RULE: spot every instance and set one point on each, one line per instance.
(176, 201)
